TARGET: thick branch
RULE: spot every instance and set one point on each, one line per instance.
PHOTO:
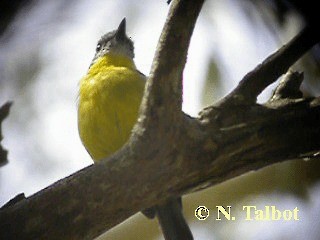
(219, 146)
(257, 136)
(163, 96)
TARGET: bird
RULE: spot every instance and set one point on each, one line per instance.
(109, 98)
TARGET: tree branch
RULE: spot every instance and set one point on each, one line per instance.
(4, 112)
(273, 67)
(217, 147)
(289, 86)
(163, 95)
(172, 158)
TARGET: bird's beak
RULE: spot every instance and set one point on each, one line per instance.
(121, 31)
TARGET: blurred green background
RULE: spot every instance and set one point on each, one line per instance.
(47, 46)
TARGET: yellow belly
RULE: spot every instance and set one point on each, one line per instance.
(109, 100)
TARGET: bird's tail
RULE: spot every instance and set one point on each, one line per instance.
(171, 220)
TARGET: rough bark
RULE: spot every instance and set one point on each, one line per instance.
(170, 153)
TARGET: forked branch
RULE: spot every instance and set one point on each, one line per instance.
(170, 153)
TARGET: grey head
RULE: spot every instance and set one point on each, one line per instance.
(115, 42)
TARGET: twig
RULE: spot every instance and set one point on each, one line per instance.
(272, 68)
(289, 87)
(4, 112)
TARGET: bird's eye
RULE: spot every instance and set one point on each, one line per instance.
(98, 47)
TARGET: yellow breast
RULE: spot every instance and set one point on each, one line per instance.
(109, 99)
